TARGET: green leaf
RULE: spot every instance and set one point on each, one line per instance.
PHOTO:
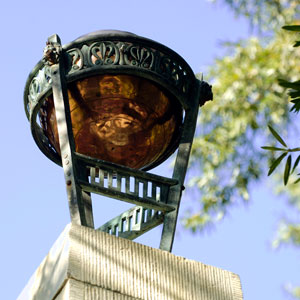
(294, 94)
(293, 150)
(296, 106)
(276, 163)
(297, 44)
(273, 148)
(293, 85)
(297, 181)
(287, 170)
(291, 27)
(296, 164)
(277, 136)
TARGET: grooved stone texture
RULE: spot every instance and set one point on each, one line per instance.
(85, 264)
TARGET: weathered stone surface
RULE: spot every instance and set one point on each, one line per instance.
(88, 264)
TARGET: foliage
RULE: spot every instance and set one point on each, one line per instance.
(289, 232)
(247, 99)
(288, 170)
(295, 86)
(267, 15)
(295, 99)
(231, 129)
(296, 292)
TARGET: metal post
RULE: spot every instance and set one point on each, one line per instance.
(79, 201)
(201, 94)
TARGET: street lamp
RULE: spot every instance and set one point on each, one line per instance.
(108, 107)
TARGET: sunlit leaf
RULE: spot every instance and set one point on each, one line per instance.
(287, 170)
(277, 136)
(276, 163)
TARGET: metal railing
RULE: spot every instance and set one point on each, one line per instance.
(148, 191)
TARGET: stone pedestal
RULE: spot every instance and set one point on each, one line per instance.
(92, 265)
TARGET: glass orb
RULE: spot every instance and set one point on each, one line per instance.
(123, 119)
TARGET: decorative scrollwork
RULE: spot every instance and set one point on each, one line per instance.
(76, 57)
(34, 88)
(95, 54)
(170, 70)
(39, 83)
(139, 57)
(103, 53)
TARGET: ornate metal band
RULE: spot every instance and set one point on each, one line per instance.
(141, 56)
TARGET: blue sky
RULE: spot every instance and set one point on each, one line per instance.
(34, 204)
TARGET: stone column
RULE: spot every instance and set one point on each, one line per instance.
(88, 264)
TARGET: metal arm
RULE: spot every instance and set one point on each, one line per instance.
(202, 93)
(79, 201)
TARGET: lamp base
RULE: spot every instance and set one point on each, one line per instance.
(88, 264)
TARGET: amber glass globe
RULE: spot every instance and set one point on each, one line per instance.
(118, 118)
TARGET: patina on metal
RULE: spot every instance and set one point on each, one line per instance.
(107, 107)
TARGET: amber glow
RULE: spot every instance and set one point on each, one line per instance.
(118, 118)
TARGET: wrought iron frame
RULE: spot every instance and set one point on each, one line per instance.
(157, 198)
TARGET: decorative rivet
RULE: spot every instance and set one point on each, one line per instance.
(67, 162)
